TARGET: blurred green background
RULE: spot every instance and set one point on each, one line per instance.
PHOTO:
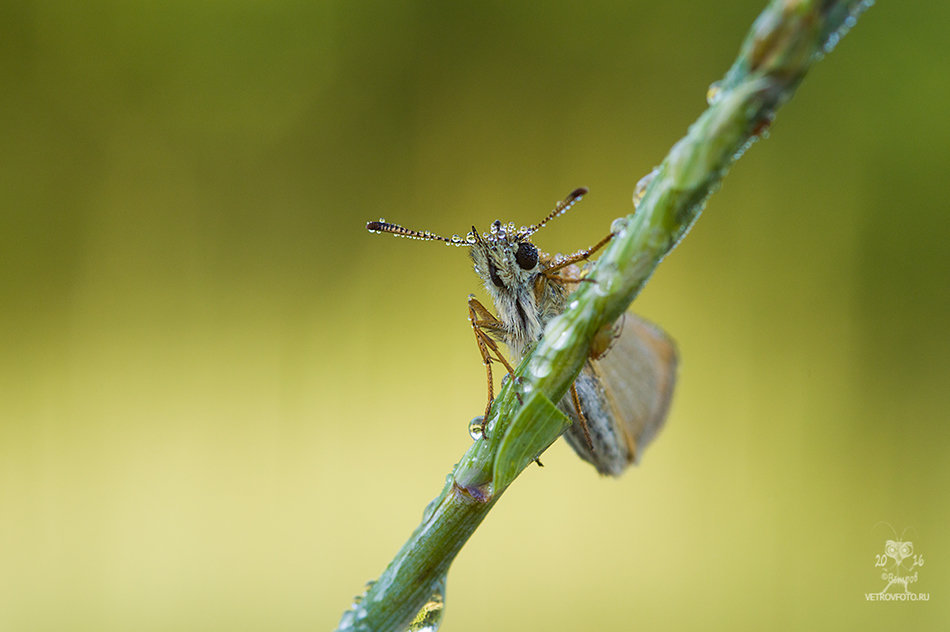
(224, 405)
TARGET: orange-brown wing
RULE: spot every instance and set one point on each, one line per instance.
(625, 396)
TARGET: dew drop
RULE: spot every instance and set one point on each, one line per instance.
(470, 238)
(618, 226)
(429, 617)
(714, 93)
(563, 339)
(642, 184)
(354, 619)
(846, 25)
(745, 146)
(540, 368)
(602, 288)
(476, 427)
(831, 42)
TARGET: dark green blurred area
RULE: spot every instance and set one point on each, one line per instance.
(224, 405)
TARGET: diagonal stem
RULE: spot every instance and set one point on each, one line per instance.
(783, 43)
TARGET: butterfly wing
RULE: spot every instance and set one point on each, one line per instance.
(625, 396)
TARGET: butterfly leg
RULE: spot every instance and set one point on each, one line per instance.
(580, 256)
(581, 417)
(483, 322)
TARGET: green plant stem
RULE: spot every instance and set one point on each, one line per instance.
(783, 43)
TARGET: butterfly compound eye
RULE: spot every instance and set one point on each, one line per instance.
(526, 256)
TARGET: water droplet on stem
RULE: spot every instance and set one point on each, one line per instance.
(476, 428)
(640, 190)
(429, 617)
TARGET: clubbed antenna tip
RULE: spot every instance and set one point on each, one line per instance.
(382, 226)
(560, 208)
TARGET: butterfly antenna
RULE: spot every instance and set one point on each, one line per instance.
(562, 207)
(382, 226)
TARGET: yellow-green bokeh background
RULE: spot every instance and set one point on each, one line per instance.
(224, 405)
